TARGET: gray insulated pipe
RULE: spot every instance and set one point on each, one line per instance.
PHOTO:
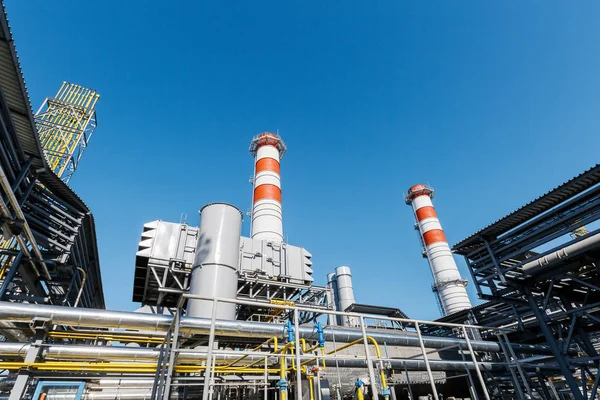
(194, 356)
(214, 272)
(84, 317)
(136, 395)
(566, 252)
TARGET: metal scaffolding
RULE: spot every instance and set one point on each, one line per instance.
(543, 280)
(65, 124)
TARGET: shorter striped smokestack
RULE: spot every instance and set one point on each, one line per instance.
(267, 218)
(448, 283)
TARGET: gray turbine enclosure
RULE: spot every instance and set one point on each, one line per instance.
(276, 259)
(164, 243)
(216, 262)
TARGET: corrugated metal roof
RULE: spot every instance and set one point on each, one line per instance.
(556, 196)
(15, 92)
(376, 310)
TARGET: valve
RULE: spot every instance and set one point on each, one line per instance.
(282, 384)
(320, 334)
(289, 327)
(385, 392)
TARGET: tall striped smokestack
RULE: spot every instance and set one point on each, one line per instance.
(448, 283)
(267, 219)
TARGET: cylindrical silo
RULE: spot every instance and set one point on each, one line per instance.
(214, 271)
(448, 283)
(345, 294)
(267, 218)
(332, 285)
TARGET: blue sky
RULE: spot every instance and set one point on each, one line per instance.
(492, 103)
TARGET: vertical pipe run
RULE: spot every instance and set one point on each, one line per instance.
(332, 297)
(267, 218)
(472, 389)
(476, 364)
(448, 283)
(172, 355)
(374, 391)
(214, 272)
(297, 355)
(209, 358)
(426, 359)
(266, 381)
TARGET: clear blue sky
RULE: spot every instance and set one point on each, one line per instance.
(492, 103)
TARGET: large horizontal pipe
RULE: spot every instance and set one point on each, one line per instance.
(85, 317)
(141, 354)
(562, 254)
(135, 395)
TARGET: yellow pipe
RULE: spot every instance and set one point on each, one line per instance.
(310, 387)
(276, 351)
(120, 367)
(282, 372)
(304, 349)
(273, 339)
(377, 351)
(359, 393)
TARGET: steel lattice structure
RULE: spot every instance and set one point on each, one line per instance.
(552, 296)
(65, 124)
(49, 252)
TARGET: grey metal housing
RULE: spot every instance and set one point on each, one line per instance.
(345, 294)
(214, 272)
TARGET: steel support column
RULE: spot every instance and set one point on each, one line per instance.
(18, 390)
(558, 355)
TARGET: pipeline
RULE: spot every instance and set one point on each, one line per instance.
(546, 261)
(141, 354)
(83, 317)
(101, 396)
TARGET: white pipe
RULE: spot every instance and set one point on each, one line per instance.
(141, 354)
(563, 253)
(83, 317)
(81, 288)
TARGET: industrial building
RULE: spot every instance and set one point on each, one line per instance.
(225, 316)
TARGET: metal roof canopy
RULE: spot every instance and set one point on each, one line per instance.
(544, 203)
(13, 87)
(376, 310)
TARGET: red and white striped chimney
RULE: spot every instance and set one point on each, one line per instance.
(267, 218)
(448, 283)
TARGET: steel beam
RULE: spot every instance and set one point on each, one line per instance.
(558, 355)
